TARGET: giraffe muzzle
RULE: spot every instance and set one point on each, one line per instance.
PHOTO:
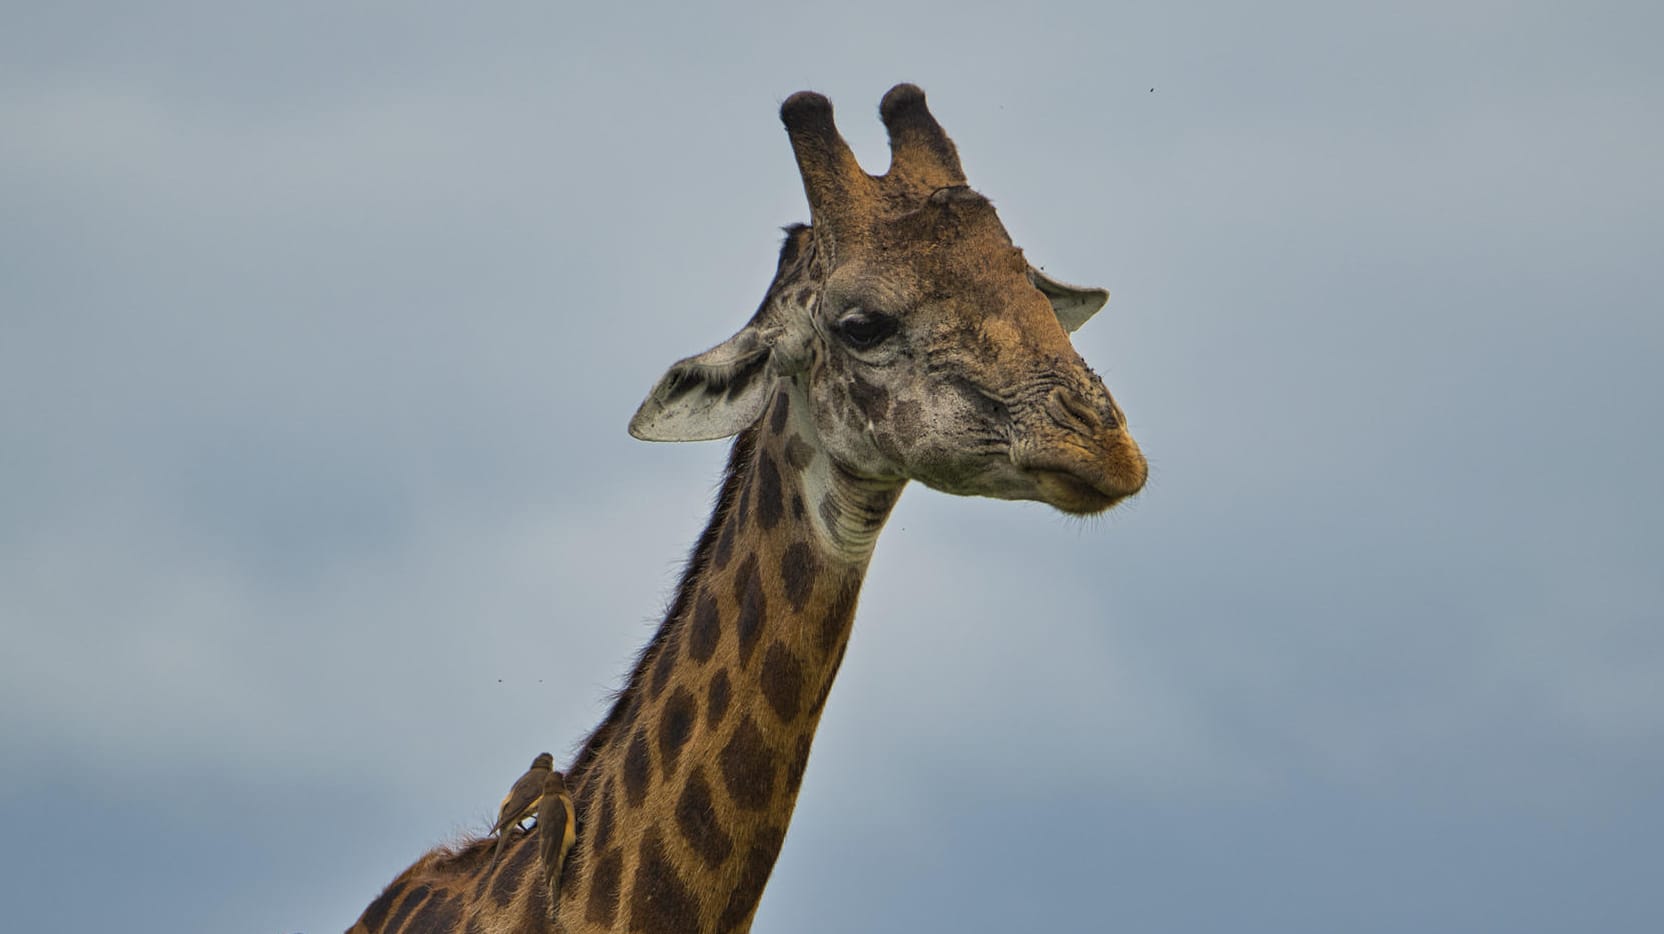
(1079, 454)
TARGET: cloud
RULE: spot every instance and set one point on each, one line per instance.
(320, 337)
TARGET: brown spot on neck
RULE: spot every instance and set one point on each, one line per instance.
(696, 818)
(753, 606)
(748, 890)
(414, 900)
(604, 883)
(748, 766)
(659, 899)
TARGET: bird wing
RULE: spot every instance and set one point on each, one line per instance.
(556, 827)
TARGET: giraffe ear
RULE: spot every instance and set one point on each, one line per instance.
(1072, 303)
(712, 395)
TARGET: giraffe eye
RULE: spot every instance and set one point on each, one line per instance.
(864, 330)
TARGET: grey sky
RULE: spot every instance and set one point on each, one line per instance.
(320, 325)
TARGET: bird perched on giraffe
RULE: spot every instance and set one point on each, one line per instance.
(556, 830)
(521, 802)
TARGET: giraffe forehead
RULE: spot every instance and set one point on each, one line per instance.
(966, 227)
(968, 278)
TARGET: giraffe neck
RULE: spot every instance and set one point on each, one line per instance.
(686, 790)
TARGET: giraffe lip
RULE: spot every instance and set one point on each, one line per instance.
(1083, 483)
(1072, 493)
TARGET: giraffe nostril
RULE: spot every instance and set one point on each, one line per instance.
(1110, 414)
(1071, 410)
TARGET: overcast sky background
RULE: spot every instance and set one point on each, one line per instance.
(320, 324)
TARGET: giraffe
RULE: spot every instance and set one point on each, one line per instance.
(903, 337)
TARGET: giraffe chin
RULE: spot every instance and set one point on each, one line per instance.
(1070, 493)
(1075, 480)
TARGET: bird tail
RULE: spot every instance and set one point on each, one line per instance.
(502, 837)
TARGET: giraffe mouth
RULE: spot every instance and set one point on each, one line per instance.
(1084, 483)
(1072, 494)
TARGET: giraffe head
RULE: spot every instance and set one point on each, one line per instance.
(925, 346)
